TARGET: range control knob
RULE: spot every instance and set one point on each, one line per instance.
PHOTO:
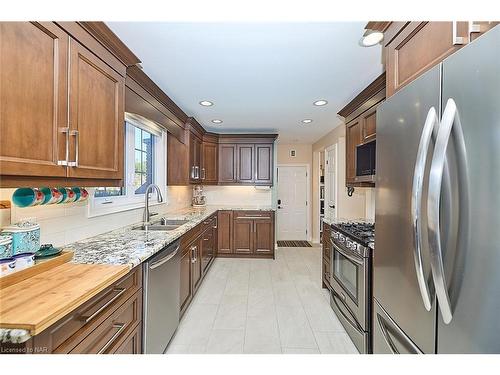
(335, 235)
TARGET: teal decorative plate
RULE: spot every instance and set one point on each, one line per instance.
(47, 251)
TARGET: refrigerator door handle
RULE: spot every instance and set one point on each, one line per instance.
(416, 204)
(449, 119)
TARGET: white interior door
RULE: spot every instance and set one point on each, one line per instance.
(331, 181)
(292, 203)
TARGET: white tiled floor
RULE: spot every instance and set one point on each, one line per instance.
(263, 306)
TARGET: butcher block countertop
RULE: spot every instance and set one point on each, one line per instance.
(36, 303)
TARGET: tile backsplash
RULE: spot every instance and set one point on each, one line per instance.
(66, 223)
(238, 195)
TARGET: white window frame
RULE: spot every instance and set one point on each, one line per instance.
(131, 201)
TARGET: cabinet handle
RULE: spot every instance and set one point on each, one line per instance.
(193, 257)
(457, 40)
(192, 172)
(120, 291)
(76, 134)
(65, 161)
(253, 217)
(121, 327)
(203, 173)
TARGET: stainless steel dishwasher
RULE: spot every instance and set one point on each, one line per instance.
(161, 279)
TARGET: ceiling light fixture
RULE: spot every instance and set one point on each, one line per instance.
(216, 121)
(206, 103)
(371, 38)
(320, 102)
(307, 121)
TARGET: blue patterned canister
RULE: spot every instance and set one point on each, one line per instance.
(5, 246)
(25, 237)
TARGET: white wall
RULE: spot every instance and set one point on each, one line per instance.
(66, 223)
(238, 195)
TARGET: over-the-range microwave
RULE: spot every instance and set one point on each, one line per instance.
(365, 162)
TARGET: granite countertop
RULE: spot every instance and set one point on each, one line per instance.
(130, 247)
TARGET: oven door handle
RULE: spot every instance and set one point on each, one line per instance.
(351, 257)
(350, 320)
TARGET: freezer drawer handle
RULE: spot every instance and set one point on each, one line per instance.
(449, 119)
(416, 204)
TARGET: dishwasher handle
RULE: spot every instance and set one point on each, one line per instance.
(164, 260)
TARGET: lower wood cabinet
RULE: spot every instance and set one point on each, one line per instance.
(110, 322)
(246, 234)
(225, 232)
(326, 259)
(198, 249)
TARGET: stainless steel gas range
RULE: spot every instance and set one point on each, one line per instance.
(351, 279)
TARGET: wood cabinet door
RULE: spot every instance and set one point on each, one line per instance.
(243, 236)
(177, 162)
(225, 232)
(419, 47)
(33, 98)
(96, 104)
(245, 163)
(209, 169)
(369, 121)
(196, 263)
(185, 283)
(195, 159)
(132, 344)
(353, 138)
(263, 236)
(264, 164)
(207, 248)
(227, 163)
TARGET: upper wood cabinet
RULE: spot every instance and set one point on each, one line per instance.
(177, 161)
(96, 118)
(360, 118)
(246, 159)
(227, 163)
(33, 98)
(245, 163)
(62, 107)
(353, 138)
(411, 48)
(209, 160)
(195, 155)
(264, 164)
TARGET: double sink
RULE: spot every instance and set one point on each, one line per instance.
(162, 225)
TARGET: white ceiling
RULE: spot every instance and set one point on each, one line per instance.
(261, 76)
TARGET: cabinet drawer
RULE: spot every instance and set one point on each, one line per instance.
(111, 333)
(64, 335)
(132, 344)
(252, 215)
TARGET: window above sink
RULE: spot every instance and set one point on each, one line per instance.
(145, 161)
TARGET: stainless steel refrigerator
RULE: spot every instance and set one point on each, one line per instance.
(437, 254)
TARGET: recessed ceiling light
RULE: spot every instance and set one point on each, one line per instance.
(371, 38)
(206, 103)
(307, 121)
(320, 102)
(217, 121)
